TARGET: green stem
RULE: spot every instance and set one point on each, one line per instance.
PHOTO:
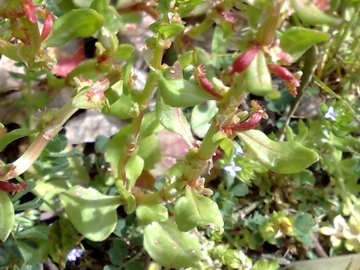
(196, 164)
(158, 55)
(271, 19)
(309, 70)
(143, 102)
(23, 163)
(202, 27)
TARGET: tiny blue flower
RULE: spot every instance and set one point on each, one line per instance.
(74, 254)
(330, 114)
(232, 169)
(238, 151)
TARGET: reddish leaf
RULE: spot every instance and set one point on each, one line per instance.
(67, 64)
(205, 83)
(245, 59)
(30, 10)
(291, 81)
(48, 24)
(11, 187)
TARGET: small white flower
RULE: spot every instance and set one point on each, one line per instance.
(238, 151)
(74, 254)
(330, 114)
(232, 169)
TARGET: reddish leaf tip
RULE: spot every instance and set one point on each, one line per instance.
(245, 59)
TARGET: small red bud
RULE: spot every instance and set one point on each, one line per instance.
(291, 81)
(48, 24)
(323, 4)
(205, 83)
(11, 187)
(253, 121)
(245, 59)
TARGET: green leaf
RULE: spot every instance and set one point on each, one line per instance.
(149, 151)
(82, 3)
(266, 265)
(112, 19)
(201, 116)
(118, 252)
(108, 40)
(82, 22)
(128, 197)
(309, 13)
(123, 108)
(174, 120)
(279, 157)
(124, 51)
(303, 224)
(86, 68)
(186, 59)
(133, 169)
(150, 125)
(258, 78)
(170, 30)
(14, 135)
(240, 190)
(9, 50)
(116, 148)
(92, 213)
(33, 243)
(170, 247)
(31, 33)
(297, 40)
(195, 209)
(119, 104)
(152, 212)
(62, 243)
(345, 262)
(186, 6)
(182, 93)
(7, 216)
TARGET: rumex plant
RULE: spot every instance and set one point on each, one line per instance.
(261, 51)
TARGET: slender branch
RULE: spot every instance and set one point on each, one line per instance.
(24, 162)
(318, 247)
(309, 69)
(144, 100)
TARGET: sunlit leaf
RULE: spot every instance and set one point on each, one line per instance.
(7, 216)
(174, 120)
(195, 209)
(133, 169)
(92, 213)
(181, 93)
(201, 116)
(258, 78)
(309, 13)
(297, 40)
(148, 213)
(280, 157)
(170, 247)
(170, 30)
(82, 22)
